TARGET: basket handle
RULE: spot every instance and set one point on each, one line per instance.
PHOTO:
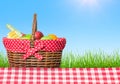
(34, 29)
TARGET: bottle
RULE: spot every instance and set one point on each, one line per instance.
(14, 33)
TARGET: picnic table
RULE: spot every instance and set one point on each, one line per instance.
(60, 75)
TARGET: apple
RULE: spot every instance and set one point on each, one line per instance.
(46, 38)
(38, 35)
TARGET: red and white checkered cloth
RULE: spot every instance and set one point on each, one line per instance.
(60, 75)
(23, 46)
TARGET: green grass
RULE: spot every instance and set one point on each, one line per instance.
(87, 60)
(3, 60)
(90, 60)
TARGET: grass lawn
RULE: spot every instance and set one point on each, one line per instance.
(90, 60)
(3, 60)
(87, 60)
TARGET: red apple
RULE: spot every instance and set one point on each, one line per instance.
(38, 35)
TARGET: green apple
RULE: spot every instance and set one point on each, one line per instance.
(46, 38)
(27, 36)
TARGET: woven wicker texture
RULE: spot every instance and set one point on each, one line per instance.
(50, 60)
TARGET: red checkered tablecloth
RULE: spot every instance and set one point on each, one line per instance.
(59, 75)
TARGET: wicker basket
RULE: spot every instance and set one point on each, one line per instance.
(50, 59)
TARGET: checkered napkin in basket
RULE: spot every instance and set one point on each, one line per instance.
(23, 46)
(60, 75)
(18, 45)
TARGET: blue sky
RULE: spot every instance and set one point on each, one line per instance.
(86, 24)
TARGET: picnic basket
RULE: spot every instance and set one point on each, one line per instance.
(25, 53)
